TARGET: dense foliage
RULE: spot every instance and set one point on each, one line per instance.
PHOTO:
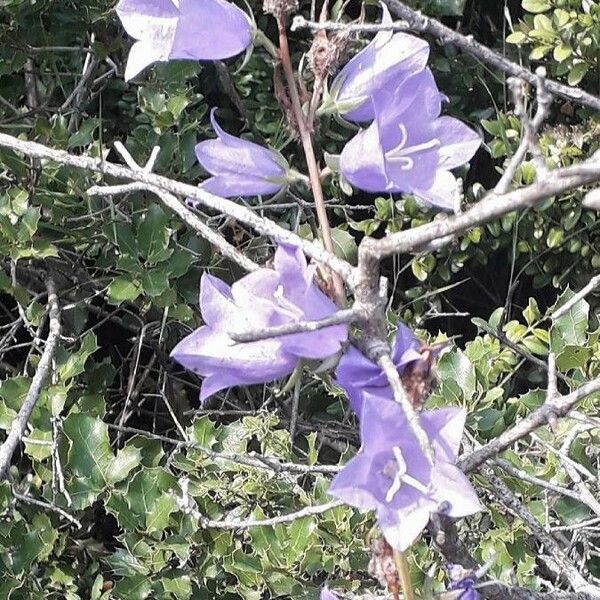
(118, 440)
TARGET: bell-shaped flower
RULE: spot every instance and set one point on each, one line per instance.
(357, 375)
(388, 60)
(182, 29)
(409, 147)
(262, 299)
(392, 475)
(327, 594)
(241, 168)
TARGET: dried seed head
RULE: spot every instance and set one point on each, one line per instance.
(418, 377)
(382, 565)
(280, 9)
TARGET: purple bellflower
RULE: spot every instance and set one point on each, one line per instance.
(327, 594)
(388, 60)
(261, 299)
(392, 475)
(357, 375)
(409, 147)
(239, 167)
(462, 583)
(182, 29)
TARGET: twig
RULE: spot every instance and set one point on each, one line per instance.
(237, 211)
(389, 369)
(452, 548)
(422, 24)
(524, 476)
(251, 459)
(342, 316)
(47, 506)
(299, 22)
(295, 408)
(559, 406)
(529, 128)
(489, 208)
(580, 295)
(19, 424)
(309, 511)
(188, 216)
(567, 568)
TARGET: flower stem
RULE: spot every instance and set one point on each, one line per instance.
(309, 153)
(404, 575)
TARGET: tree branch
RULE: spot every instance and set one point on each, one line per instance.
(422, 24)
(19, 424)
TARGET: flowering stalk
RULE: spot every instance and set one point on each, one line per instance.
(309, 153)
(404, 575)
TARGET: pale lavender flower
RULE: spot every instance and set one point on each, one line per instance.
(239, 167)
(261, 299)
(327, 594)
(388, 60)
(462, 583)
(182, 29)
(392, 475)
(357, 375)
(409, 147)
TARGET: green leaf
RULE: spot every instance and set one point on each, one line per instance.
(456, 367)
(153, 234)
(573, 357)
(75, 364)
(516, 37)
(577, 73)
(536, 6)
(122, 289)
(562, 52)
(570, 328)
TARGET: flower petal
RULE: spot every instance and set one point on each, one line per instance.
(210, 30)
(351, 484)
(402, 528)
(362, 161)
(445, 428)
(459, 142)
(454, 488)
(230, 186)
(443, 192)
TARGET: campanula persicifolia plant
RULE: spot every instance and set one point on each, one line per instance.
(306, 427)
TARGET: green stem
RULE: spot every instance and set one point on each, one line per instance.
(404, 575)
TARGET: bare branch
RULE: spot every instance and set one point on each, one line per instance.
(400, 396)
(489, 208)
(342, 316)
(188, 216)
(567, 568)
(567, 306)
(47, 506)
(529, 128)
(419, 22)
(19, 424)
(251, 459)
(309, 511)
(299, 22)
(237, 211)
(556, 407)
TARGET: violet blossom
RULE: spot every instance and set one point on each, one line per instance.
(392, 475)
(463, 583)
(239, 167)
(409, 147)
(261, 299)
(327, 594)
(357, 375)
(388, 60)
(182, 29)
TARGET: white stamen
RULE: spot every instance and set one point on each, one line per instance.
(400, 476)
(401, 153)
